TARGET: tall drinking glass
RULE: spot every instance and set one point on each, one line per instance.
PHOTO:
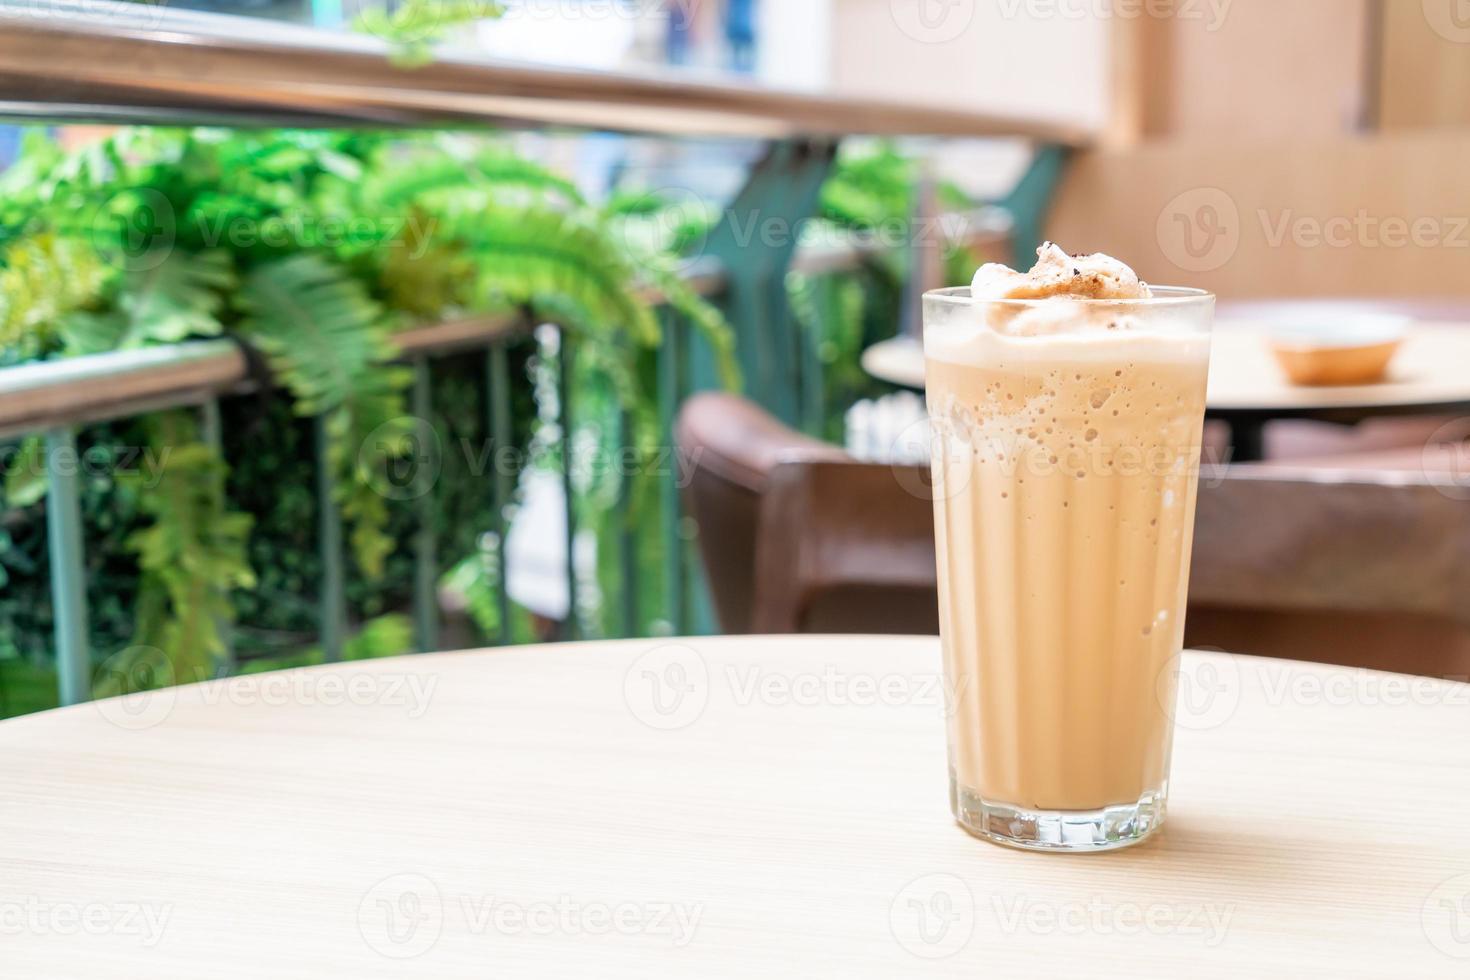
(1066, 459)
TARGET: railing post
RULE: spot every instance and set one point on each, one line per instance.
(498, 402)
(329, 518)
(627, 541)
(670, 391)
(212, 432)
(813, 382)
(425, 554)
(564, 407)
(68, 574)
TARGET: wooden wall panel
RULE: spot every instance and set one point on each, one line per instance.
(1425, 73)
(1244, 68)
(1351, 216)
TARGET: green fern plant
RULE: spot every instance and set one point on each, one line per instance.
(318, 326)
(415, 26)
(872, 188)
(192, 554)
(43, 279)
(515, 234)
(328, 343)
(157, 235)
(181, 296)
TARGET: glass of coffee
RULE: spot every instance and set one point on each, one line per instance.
(1066, 455)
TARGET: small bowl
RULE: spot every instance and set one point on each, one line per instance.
(1348, 349)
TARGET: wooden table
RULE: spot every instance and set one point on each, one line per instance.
(1430, 375)
(712, 808)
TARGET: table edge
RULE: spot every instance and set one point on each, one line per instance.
(51, 715)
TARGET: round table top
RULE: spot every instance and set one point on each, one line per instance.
(1428, 372)
(730, 807)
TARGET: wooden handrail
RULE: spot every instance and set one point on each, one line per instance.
(119, 384)
(98, 387)
(137, 62)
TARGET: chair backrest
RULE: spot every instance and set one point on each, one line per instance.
(1368, 568)
(729, 447)
(1361, 567)
(1284, 537)
(796, 536)
(846, 547)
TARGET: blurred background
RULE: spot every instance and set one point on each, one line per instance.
(296, 370)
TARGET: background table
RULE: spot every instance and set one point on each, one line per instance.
(716, 807)
(1430, 375)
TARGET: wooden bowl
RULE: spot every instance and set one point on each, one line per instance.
(1351, 350)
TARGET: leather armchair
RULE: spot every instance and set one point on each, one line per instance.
(796, 536)
(1328, 561)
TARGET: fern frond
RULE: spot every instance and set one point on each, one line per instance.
(25, 479)
(870, 187)
(400, 185)
(316, 324)
(366, 433)
(431, 177)
(180, 297)
(705, 317)
(327, 340)
(44, 277)
(550, 259)
(416, 25)
(192, 554)
(656, 222)
(503, 170)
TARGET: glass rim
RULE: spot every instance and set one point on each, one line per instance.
(1162, 296)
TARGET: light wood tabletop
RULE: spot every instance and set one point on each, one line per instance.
(731, 807)
(1429, 372)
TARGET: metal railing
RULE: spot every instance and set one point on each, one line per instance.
(153, 65)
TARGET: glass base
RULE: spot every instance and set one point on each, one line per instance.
(1107, 829)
